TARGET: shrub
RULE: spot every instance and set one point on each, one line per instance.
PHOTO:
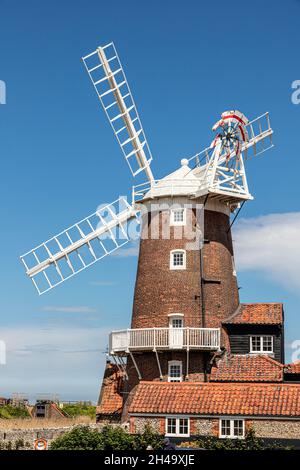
(148, 438)
(8, 412)
(110, 438)
(251, 442)
(79, 438)
(79, 409)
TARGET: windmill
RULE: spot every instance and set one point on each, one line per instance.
(217, 173)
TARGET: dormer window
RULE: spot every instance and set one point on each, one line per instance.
(178, 216)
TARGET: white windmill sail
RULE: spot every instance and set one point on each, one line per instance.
(109, 80)
(79, 246)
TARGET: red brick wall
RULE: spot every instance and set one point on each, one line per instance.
(148, 367)
(160, 291)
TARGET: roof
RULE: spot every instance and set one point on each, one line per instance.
(260, 313)
(110, 400)
(293, 368)
(249, 399)
(247, 368)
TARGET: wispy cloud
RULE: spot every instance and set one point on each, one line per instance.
(65, 360)
(74, 309)
(270, 244)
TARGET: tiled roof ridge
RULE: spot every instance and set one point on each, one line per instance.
(225, 384)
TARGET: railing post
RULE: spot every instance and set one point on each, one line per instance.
(128, 340)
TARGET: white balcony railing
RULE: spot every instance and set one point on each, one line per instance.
(164, 339)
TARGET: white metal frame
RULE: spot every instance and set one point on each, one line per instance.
(174, 363)
(231, 435)
(261, 351)
(223, 174)
(177, 433)
(180, 266)
(110, 83)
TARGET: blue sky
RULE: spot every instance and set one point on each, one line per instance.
(186, 62)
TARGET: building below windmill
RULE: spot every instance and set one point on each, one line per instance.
(246, 386)
(196, 361)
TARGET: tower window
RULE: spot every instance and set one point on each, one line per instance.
(178, 216)
(261, 344)
(178, 259)
(174, 371)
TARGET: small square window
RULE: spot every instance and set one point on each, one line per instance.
(171, 426)
(178, 216)
(183, 426)
(175, 371)
(178, 259)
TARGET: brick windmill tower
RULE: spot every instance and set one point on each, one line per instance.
(186, 283)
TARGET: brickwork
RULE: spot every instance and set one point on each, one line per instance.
(148, 367)
(160, 291)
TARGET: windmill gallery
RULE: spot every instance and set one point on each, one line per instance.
(195, 360)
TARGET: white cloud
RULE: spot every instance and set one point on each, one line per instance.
(270, 244)
(75, 309)
(66, 361)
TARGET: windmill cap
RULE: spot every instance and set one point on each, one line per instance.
(184, 162)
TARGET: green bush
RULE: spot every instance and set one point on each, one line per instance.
(79, 409)
(9, 412)
(110, 438)
(79, 438)
(251, 442)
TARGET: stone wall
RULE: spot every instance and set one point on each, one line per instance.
(141, 423)
(279, 429)
(28, 436)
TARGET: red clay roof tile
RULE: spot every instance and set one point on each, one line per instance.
(260, 313)
(110, 400)
(293, 368)
(247, 368)
(251, 399)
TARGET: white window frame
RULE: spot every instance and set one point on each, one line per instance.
(176, 223)
(174, 363)
(175, 316)
(231, 435)
(260, 351)
(177, 434)
(172, 266)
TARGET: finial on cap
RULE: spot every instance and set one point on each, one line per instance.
(184, 162)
